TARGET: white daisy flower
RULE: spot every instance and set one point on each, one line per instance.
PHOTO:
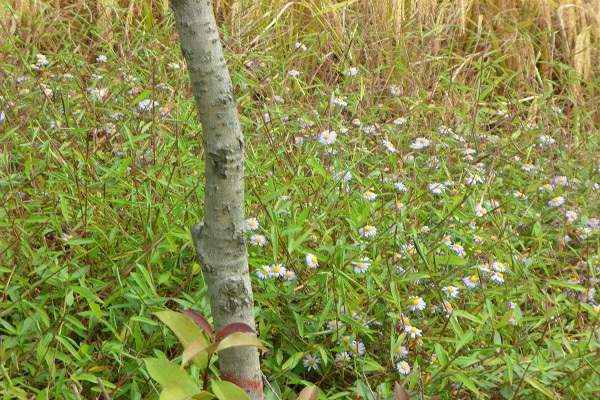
(451, 291)
(416, 304)
(311, 362)
(258, 240)
(312, 261)
(252, 224)
(403, 367)
(557, 201)
(368, 231)
(327, 137)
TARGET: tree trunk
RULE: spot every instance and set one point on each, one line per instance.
(220, 239)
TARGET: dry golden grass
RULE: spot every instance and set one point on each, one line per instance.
(406, 41)
(527, 37)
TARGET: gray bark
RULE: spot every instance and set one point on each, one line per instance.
(220, 239)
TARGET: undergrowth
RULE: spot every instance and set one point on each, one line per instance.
(427, 229)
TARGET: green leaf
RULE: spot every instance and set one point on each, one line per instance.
(289, 230)
(228, 391)
(87, 293)
(505, 320)
(316, 167)
(142, 96)
(182, 326)
(165, 371)
(441, 355)
(458, 330)
(203, 396)
(464, 379)
(450, 259)
(464, 314)
(365, 390)
(395, 294)
(96, 310)
(568, 285)
(539, 387)
(273, 194)
(372, 366)
(410, 277)
(293, 244)
(291, 362)
(175, 381)
(274, 239)
(173, 392)
(186, 330)
(509, 368)
(462, 361)
(323, 353)
(237, 339)
(467, 337)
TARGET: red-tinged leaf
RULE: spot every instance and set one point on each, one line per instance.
(199, 320)
(237, 339)
(194, 348)
(231, 328)
(309, 393)
(400, 393)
